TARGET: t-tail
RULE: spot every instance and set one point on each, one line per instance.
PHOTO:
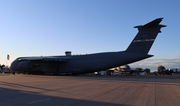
(145, 37)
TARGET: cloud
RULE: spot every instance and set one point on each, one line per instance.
(153, 63)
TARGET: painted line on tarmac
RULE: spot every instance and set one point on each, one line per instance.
(37, 101)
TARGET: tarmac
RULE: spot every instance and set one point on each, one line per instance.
(35, 90)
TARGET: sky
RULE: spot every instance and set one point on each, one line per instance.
(51, 27)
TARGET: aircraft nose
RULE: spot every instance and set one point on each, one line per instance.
(14, 65)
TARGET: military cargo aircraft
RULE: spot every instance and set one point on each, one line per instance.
(80, 64)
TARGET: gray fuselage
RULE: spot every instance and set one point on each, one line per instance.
(77, 64)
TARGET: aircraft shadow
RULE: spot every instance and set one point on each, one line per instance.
(10, 97)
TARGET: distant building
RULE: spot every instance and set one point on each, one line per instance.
(175, 70)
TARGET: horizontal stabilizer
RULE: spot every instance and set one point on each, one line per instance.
(153, 23)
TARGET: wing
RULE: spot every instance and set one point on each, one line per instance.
(55, 59)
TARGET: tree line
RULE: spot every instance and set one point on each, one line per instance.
(1, 66)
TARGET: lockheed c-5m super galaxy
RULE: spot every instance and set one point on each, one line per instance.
(79, 64)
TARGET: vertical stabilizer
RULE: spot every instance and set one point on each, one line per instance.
(145, 37)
